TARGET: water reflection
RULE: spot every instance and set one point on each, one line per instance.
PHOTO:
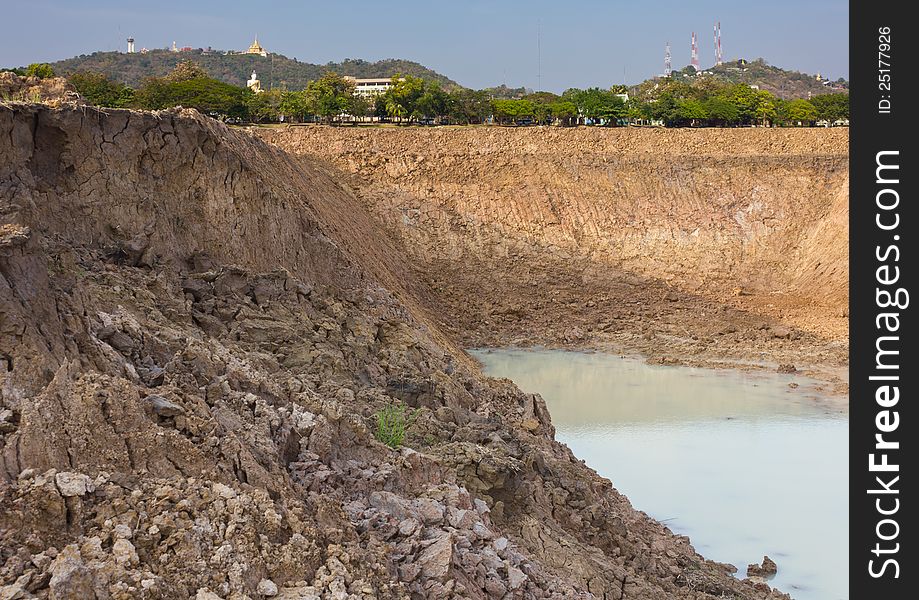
(743, 464)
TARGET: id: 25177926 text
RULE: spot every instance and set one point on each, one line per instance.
(884, 73)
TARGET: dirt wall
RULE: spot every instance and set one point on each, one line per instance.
(761, 209)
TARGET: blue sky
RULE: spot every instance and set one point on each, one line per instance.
(478, 43)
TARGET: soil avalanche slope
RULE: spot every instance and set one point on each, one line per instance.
(196, 331)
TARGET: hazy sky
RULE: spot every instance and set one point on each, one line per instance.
(475, 42)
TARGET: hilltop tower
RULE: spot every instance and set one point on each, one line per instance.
(668, 63)
(130, 45)
(718, 56)
(695, 53)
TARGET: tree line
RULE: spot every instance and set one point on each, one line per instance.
(331, 99)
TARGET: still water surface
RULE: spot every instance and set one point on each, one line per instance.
(741, 463)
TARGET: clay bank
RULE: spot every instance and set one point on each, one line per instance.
(706, 247)
(197, 329)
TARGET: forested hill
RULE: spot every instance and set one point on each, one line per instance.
(274, 70)
(783, 83)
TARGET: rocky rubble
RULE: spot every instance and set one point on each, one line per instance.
(195, 337)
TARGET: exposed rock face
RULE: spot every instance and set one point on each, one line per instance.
(53, 91)
(767, 568)
(685, 245)
(196, 331)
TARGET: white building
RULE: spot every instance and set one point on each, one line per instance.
(370, 88)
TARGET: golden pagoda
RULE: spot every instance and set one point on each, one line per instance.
(256, 48)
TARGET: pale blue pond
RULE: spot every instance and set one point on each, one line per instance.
(742, 463)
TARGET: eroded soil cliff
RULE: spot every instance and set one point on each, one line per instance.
(196, 331)
(692, 246)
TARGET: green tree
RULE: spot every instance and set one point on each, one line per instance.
(98, 90)
(329, 96)
(664, 108)
(263, 107)
(745, 100)
(597, 104)
(831, 107)
(359, 106)
(799, 111)
(509, 111)
(40, 70)
(542, 102)
(564, 111)
(394, 109)
(207, 95)
(469, 106)
(402, 98)
(721, 111)
(152, 94)
(294, 105)
(637, 110)
(764, 107)
(432, 103)
(690, 111)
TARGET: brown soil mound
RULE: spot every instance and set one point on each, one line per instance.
(196, 333)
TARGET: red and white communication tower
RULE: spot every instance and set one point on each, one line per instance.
(695, 52)
(718, 55)
(668, 64)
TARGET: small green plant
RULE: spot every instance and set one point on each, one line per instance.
(392, 423)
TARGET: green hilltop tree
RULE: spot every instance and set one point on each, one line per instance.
(40, 70)
(542, 97)
(186, 70)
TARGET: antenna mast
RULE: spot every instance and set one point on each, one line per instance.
(695, 52)
(719, 58)
(538, 56)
